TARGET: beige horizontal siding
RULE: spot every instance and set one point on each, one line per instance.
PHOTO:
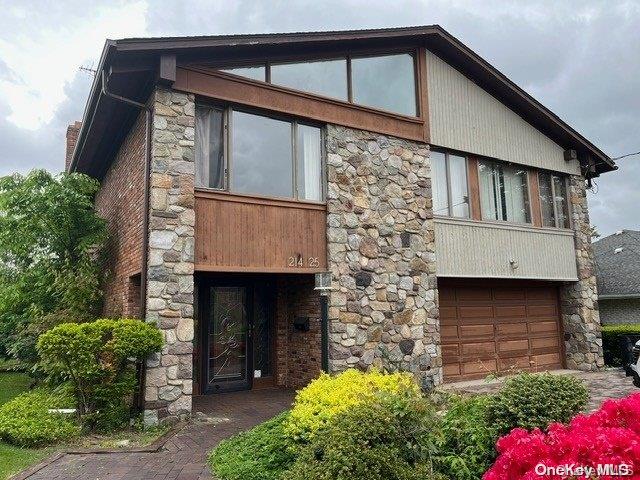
(465, 117)
(466, 248)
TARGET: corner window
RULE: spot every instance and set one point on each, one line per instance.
(504, 193)
(554, 204)
(450, 185)
(254, 154)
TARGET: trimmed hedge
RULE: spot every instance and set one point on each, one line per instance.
(611, 342)
(534, 400)
(391, 438)
(328, 395)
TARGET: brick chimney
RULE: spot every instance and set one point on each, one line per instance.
(72, 137)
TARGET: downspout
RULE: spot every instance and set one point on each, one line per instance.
(145, 215)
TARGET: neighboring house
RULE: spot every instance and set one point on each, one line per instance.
(447, 203)
(618, 273)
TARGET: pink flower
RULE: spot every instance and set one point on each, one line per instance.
(609, 436)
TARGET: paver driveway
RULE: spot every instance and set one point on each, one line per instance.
(184, 455)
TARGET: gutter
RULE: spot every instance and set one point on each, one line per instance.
(620, 296)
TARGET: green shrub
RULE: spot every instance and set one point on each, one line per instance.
(611, 342)
(99, 358)
(25, 421)
(328, 395)
(390, 438)
(466, 448)
(536, 400)
(258, 454)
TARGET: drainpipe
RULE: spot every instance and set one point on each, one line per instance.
(145, 215)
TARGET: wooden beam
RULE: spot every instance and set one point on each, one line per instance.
(167, 69)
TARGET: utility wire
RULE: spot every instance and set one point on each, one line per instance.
(627, 155)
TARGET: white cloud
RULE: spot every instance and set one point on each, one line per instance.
(47, 57)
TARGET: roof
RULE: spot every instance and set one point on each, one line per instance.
(618, 274)
(132, 65)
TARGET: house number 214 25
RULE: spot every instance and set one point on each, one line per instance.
(298, 262)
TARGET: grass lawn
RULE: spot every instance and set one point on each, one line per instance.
(13, 459)
(12, 384)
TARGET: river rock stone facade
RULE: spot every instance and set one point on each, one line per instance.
(579, 300)
(383, 310)
(170, 288)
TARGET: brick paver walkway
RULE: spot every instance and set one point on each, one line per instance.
(183, 457)
(602, 386)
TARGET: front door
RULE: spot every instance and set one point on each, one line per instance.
(237, 320)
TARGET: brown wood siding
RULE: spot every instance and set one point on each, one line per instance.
(474, 188)
(534, 198)
(499, 329)
(238, 233)
(234, 89)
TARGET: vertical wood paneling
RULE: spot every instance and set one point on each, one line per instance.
(240, 233)
(465, 117)
(473, 249)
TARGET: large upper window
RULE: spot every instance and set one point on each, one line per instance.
(503, 192)
(257, 154)
(386, 82)
(328, 78)
(450, 189)
(553, 200)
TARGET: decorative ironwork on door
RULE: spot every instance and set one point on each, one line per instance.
(228, 337)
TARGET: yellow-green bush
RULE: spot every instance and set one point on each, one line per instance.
(330, 395)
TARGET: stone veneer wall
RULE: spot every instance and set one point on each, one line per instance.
(579, 300)
(170, 288)
(383, 310)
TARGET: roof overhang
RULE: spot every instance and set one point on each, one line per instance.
(132, 67)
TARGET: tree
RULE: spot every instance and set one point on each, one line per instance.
(51, 239)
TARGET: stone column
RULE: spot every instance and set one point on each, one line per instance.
(170, 285)
(579, 300)
(383, 310)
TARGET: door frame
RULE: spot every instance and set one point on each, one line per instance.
(250, 283)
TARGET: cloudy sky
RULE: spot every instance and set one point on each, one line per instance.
(579, 58)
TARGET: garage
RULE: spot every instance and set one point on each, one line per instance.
(490, 327)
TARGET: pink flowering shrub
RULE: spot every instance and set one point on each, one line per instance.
(609, 436)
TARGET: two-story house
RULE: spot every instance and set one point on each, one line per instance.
(448, 205)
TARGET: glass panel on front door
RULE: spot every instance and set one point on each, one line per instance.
(228, 338)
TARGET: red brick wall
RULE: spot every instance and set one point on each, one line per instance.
(73, 131)
(120, 201)
(298, 353)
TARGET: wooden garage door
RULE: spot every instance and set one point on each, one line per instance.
(498, 328)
